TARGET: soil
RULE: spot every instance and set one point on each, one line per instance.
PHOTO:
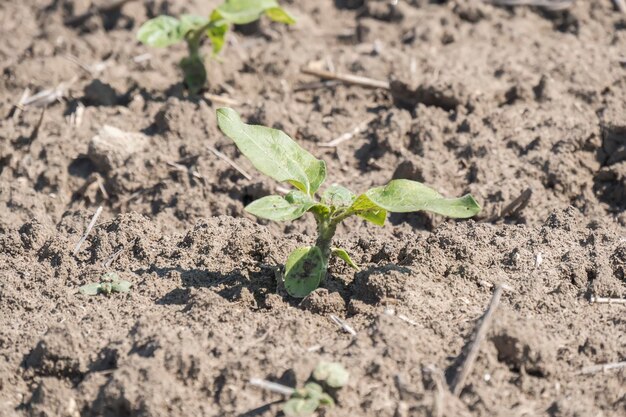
(496, 101)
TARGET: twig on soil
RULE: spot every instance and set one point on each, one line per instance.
(49, 96)
(546, 4)
(19, 107)
(347, 78)
(108, 261)
(272, 386)
(231, 163)
(349, 135)
(316, 84)
(604, 300)
(620, 5)
(514, 207)
(458, 382)
(345, 326)
(92, 223)
(602, 368)
(94, 10)
(438, 379)
(227, 101)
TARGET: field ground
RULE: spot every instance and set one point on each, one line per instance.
(501, 102)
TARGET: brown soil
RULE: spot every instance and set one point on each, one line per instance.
(483, 99)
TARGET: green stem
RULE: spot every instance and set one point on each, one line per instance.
(326, 228)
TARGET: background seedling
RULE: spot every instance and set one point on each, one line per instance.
(275, 154)
(163, 31)
(327, 376)
(109, 283)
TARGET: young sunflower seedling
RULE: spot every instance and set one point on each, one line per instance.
(275, 154)
(163, 31)
(327, 377)
(110, 283)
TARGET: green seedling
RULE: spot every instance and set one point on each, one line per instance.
(304, 401)
(163, 31)
(275, 154)
(109, 283)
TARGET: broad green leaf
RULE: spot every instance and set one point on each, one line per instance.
(278, 14)
(338, 196)
(341, 253)
(313, 389)
(190, 22)
(403, 196)
(273, 153)
(304, 271)
(160, 32)
(90, 289)
(332, 373)
(241, 12)
(365, 208)
(326, 399)
(217, 32)
(121, 286)
(277, 208)
(194, 73)
(300, 407)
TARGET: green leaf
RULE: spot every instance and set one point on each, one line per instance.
(367, 209)
(300, 407)
(338, 196)
(332, 373)
(277, 208)
(404, 196)
(194, 73)
(190, 22)
(304, 271)
(160, 32)
(341, 253)
(241, 12)
(278, 14)
(217, 32)
(121, 286)
(326, 399)
(90, 289)
(313, 389)
(273, 153)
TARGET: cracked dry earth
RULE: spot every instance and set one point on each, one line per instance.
(501, 102)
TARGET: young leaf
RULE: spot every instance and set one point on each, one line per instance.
(332, 373)
(337, 196)
(90, 289)
(300, 407)
(341, 253)
(365, 208)
(273, 153)
(189, 22)
(277, 208)
(121, 286)
(160, 32)
(217, 32)
(303, 271)
(278, 14)
(241, 12)
(402, 196)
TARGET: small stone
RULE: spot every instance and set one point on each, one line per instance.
(112, 147)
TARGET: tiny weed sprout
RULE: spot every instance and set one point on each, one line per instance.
(327, 376)
(110, 283)
(163, 31)
(275, 154)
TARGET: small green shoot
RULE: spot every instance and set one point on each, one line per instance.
(163, 31)
(304, 401)
(276, 155)
(110, 283)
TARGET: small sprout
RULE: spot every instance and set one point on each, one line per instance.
(110, 283)
(164, 31)
(331, 373)
(276, 155)
(306, 400)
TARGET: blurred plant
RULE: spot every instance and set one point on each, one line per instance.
(275, 154)
(110, 283)
(327, 377)
(163, 31)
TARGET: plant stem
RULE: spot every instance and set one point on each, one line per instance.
(326, 228)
